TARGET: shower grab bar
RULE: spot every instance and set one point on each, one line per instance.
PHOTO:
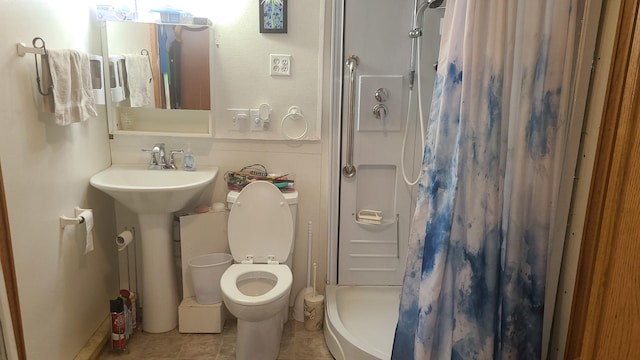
(352, 62)
(398, 236)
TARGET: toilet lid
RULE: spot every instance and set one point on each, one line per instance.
(260, 224)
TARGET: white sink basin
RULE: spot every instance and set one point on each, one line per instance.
(154, 195)
(146, 191)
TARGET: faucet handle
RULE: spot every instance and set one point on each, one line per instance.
(154, 151)
(161, 154)
(172, 160)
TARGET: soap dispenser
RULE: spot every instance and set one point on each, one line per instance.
(189, 161)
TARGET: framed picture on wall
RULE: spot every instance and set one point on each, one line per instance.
(273, 16)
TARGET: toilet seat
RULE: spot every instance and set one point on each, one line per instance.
(260, 226)
(229, 283)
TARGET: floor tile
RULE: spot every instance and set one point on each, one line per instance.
(297, 344)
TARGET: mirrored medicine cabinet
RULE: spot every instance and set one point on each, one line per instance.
(177, 60)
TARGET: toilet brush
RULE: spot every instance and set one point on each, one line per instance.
(298, 307)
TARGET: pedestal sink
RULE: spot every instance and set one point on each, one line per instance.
(155, 195)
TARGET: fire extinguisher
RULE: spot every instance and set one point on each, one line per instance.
(118, 334)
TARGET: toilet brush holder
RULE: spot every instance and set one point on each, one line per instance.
(298, 305)
(313, 312)
(313, 306)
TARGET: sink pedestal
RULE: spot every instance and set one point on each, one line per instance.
(159, 280)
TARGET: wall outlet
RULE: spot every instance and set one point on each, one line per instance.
(279, 65)
(239, 119)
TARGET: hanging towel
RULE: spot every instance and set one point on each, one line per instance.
(139, 80)
(70, 91)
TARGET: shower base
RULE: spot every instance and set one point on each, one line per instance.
(360, 321)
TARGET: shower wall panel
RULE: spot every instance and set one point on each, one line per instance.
(373, 251)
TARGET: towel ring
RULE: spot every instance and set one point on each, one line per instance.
(293, 115)
(44, 49)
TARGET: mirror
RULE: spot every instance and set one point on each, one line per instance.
(159, 77)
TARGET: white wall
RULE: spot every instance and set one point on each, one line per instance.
(63, 293)
(241, 77)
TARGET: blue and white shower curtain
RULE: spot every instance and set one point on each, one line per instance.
(474, 285)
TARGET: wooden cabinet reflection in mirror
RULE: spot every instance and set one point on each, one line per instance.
(178, 56)
(182, 60)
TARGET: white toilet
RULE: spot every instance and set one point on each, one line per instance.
(256, 287)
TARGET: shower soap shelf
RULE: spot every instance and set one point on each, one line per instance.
(372, 217)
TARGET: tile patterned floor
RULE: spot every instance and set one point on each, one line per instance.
(297, 344)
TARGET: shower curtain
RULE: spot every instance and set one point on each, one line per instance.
(475, 276)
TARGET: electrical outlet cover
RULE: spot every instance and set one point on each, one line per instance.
(279, 65)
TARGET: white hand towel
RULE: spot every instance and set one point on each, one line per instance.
(139, 80)
(70, 91)
(88, 221)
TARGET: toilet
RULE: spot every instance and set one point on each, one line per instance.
(256, 287)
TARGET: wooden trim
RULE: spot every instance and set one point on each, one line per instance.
(9, 272)
(155, 66)
(604, 198)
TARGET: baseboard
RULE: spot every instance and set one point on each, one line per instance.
(94, 345)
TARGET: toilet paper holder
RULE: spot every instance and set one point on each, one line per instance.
(66, 221)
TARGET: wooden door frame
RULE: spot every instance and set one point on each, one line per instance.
(9, 272)
(620, 113)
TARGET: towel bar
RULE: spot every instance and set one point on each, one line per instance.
(22, 50)
(35, 50)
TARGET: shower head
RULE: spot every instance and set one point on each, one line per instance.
(417, 26)
(432, 4)
(416, 31)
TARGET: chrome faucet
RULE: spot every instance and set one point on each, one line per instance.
(159, 158)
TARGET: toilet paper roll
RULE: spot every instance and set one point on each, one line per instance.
(87, 215)
(123, 239)
(313, 312)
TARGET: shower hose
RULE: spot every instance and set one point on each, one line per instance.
(419, 119)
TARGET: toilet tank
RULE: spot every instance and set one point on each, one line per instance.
(292, 200)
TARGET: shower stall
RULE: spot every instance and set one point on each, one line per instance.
(379, 73)
(383, 59)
